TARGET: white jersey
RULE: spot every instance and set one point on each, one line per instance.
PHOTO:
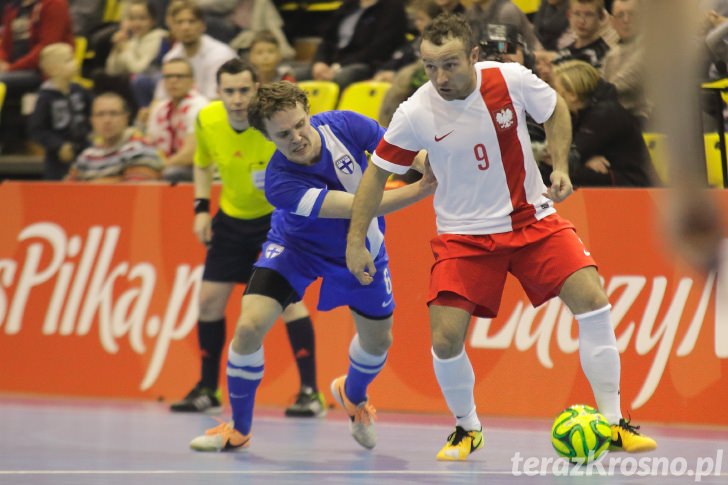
(479, 149)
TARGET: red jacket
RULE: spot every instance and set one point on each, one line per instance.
(50, 22)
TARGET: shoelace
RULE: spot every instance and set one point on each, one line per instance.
(625, 424)
(457, 436)
(365, 414)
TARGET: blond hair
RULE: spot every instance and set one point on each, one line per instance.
(577, 77)
(50, 53)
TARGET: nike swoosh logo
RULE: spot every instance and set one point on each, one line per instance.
(238, 396)
(474, 446)
(587, 253)
(386, 303)
(440, 138)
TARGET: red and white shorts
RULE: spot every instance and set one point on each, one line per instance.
(541, 255)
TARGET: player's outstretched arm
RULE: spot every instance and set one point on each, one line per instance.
(365, 206)
(339, 204)
(558, 136)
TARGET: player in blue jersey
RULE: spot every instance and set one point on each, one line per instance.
(311, 180)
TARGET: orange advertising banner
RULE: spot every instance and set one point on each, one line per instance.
(98, 297)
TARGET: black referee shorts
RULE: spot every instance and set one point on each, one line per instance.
(234, 248)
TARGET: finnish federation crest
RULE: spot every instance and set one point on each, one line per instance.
(273, 250)
(504, 117)
(345, 164)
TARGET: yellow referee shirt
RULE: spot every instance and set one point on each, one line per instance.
(241, 159)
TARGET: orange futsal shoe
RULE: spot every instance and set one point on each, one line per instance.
(223, 437)
(362, 415)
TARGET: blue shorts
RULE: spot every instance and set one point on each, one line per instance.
(338, 287)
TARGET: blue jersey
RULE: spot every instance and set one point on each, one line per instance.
(297, 191)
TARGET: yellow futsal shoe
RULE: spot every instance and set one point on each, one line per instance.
(223, 437)
(361, 416)
(626, 438)
(460, 444)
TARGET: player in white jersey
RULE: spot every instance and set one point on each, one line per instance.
(494, 216)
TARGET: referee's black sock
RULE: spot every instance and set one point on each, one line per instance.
(211, 336)
(300, 333)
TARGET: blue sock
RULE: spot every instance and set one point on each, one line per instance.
(363, 368)
(244, 373)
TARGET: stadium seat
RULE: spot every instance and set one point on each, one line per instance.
(528, 6)
(81, 45)
(112, 11)
(656, 145)
(712, 160)
(322, 95)
(364, 97)
(3, 88)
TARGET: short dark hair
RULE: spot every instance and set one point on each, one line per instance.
(178, 6)
(273, 98)
(265, 36)
(236, 66)
(112, 95)
(447, 26)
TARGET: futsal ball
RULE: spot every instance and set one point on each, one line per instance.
(580, 430)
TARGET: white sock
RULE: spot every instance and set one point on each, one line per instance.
(255, 359)
(457, 380)
(600, 360)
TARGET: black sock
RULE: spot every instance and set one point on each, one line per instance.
(301, 336)
(211, 336)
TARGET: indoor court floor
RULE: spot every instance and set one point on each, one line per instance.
(74, 441)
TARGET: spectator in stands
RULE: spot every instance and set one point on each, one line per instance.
(422, 11)
(135, 50)
(608, 148)
(28, 27)
(60, 120)
(204, 53)
(171, 123)
(119, 153)
(235, 22)
(265, 56)
(362, 35)
(137, 43)
(624, 63)
(585, 20)
(551, 22)
(484, 12)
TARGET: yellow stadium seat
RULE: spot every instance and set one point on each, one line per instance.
(80, 52)
(322, 95)
(712, 160)
(528, 6)
(364, 97)
(3, 88)
(112, 11)
(80, 55)
(656, 145)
